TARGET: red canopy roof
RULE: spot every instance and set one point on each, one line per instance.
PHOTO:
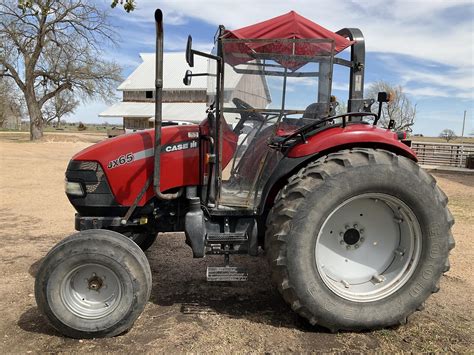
(290, 25)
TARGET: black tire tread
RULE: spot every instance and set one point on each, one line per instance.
(121, 242)
(311, 177)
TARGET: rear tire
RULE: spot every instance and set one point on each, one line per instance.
(93, 284)
(326, 233)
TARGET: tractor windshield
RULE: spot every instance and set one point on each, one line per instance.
(270, 87)
(277, 76)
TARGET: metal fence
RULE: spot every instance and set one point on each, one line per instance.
(446, 154)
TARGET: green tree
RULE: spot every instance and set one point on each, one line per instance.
(128, 5)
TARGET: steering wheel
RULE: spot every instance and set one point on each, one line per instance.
(241, 104)
(245, 115)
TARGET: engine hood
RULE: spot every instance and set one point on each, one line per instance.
(127, 161)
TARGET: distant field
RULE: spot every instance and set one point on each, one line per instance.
(96, 128)
(55, 136)
(68, 128)
(469, 140)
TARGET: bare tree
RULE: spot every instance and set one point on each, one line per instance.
(447, 134)
(53, 46)
(62, 104)
(11, 109)
(400, 109)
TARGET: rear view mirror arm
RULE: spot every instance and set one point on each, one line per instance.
(206, 55)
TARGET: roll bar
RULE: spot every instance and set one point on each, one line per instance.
(356, 100)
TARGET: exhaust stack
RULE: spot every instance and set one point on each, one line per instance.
(158, 107)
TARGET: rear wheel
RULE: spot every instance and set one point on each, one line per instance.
(93, 284)
(359, 239)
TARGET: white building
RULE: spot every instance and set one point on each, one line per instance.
(181, 103)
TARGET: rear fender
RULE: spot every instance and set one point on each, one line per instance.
(353, 135)
(323, 143)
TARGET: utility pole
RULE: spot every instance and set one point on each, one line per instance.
(463, 123)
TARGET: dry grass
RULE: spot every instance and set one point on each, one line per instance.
(186, 314)
(467, 140)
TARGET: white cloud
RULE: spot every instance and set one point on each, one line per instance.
(340, 86)
(420, 28)
(432, 80)
(178, 43)
(424, 30)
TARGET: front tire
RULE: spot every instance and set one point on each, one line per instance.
(93, 284)
(143, 239)
(359, 239)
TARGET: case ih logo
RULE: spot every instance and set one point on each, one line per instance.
(180, 146)
(123, 159)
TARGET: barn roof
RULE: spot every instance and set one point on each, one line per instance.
(174, 67)
(172, 111)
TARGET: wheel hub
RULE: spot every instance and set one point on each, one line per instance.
(91, 291)
(95, 283)
(351, 236)
(374, 252)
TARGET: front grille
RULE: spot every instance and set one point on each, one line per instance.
(90, 174)
(88, 165)
(98, 199)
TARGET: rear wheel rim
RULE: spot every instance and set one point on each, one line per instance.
(368, 247)
(91, 291)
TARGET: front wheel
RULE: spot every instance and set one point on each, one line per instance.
(93, 284)
(359, 239)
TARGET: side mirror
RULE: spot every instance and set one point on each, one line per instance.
(189, 52)
(187, 77)
(384, 96)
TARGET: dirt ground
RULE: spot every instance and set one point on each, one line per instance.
(186, 314)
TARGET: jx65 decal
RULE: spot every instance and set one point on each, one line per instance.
(121, 160)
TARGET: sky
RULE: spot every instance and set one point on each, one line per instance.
(426, 46)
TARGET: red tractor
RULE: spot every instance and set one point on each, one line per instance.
(357, 234)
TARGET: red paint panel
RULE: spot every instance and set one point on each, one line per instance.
(352, 134)
(178, 168)
(229, 143)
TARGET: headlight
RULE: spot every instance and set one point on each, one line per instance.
(73, 188)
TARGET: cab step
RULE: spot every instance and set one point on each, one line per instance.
(227, 238)
(226, 273)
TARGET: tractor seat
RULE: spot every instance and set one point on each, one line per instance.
(316, 111)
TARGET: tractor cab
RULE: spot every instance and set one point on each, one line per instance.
(284, 71)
